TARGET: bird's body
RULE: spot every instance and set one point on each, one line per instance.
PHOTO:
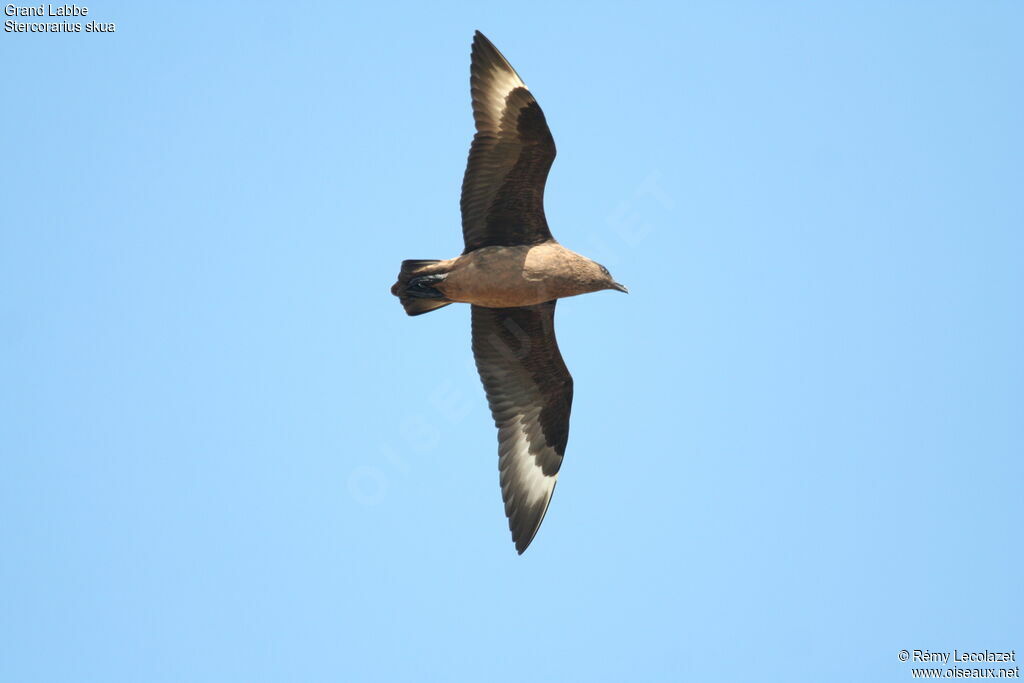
(511, 272)
(519, 275)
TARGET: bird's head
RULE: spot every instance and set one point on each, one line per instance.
(599, 278)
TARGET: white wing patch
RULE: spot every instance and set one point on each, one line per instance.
(523, 480)
(499, 84)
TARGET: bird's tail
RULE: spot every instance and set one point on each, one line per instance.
(414, 287)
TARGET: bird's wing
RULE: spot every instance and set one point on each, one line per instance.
(512, 151)
(529, 390)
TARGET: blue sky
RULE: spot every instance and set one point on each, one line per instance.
(796, 445)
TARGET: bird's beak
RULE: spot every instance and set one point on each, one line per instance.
(621, 288)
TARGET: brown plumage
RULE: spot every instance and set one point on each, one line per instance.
(511, 271)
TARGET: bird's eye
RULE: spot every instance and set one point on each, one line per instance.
(605, 270)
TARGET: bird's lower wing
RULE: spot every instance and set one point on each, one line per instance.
(529, 390)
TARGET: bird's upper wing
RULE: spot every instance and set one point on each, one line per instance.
(512, 151)
(529, 390)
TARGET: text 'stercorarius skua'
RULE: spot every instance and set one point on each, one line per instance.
(511, 273)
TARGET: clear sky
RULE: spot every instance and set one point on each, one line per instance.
(796, 445)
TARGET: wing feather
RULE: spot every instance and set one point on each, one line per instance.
(529, 390)
(509, 159)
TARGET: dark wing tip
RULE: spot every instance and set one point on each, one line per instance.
(524, 538)
(524, 523)
(484, 52)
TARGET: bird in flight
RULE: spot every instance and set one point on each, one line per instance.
(511, 273)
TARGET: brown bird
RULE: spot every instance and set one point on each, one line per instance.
(511, 272)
